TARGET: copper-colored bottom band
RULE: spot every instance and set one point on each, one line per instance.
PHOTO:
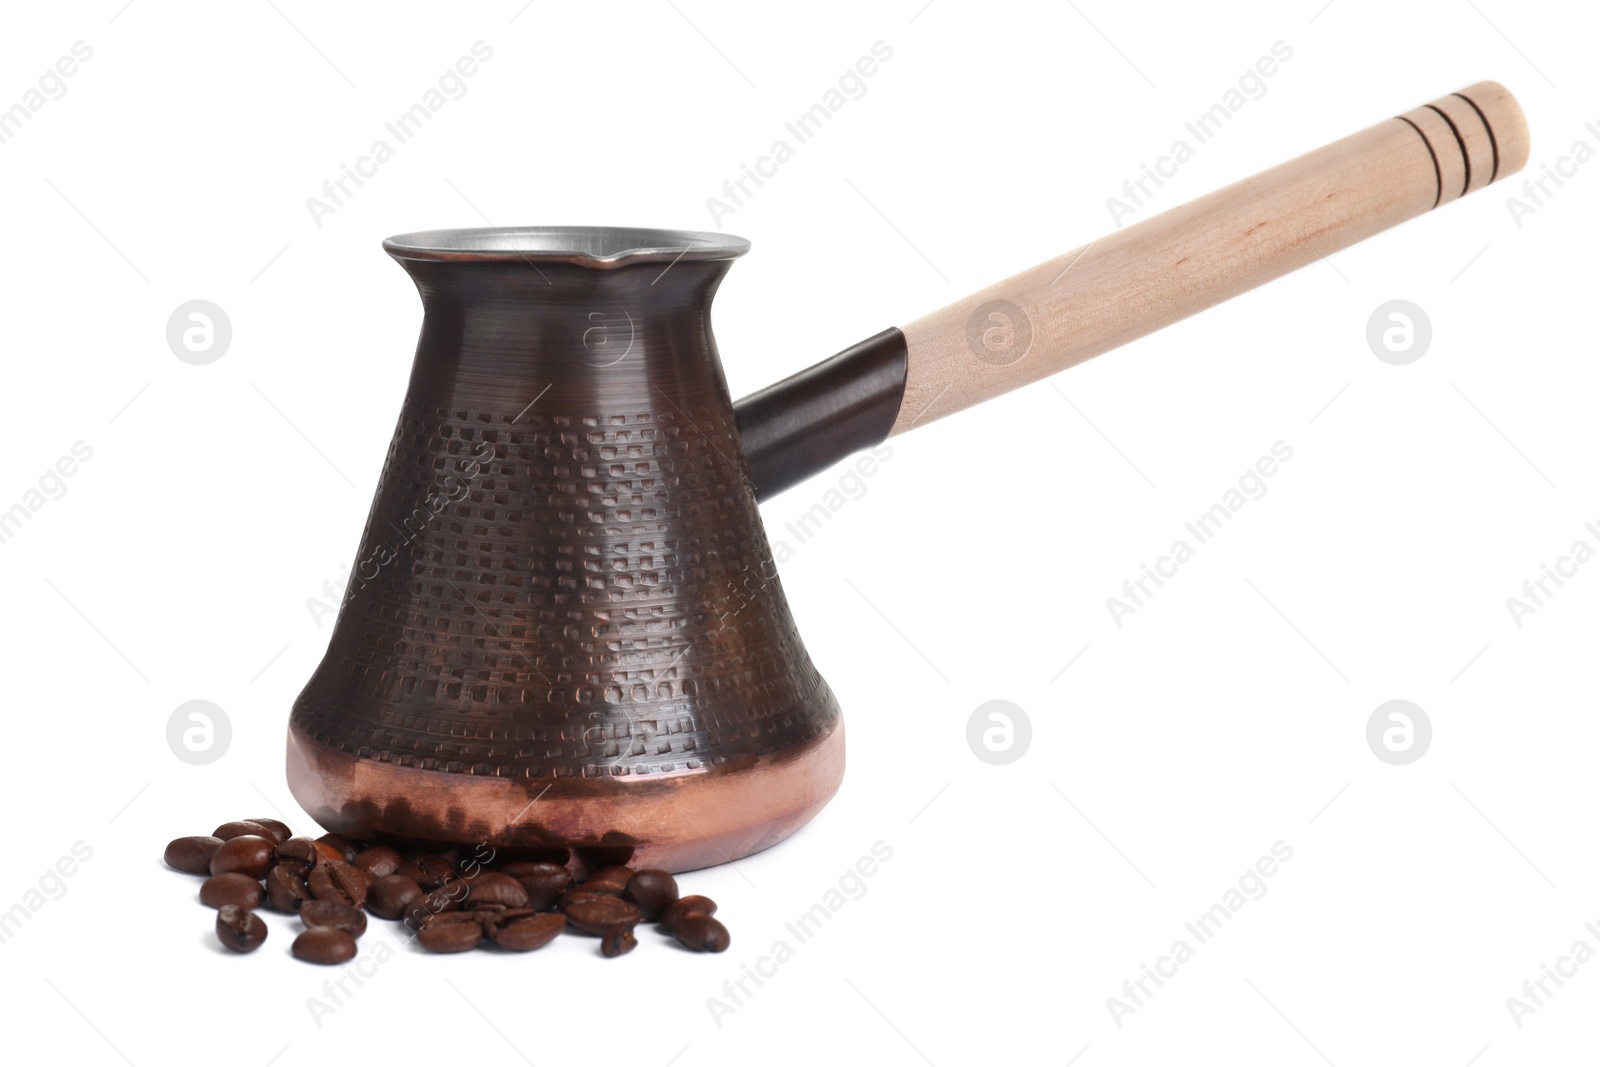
(678, 823)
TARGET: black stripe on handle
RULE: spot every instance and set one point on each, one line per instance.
(809, 421)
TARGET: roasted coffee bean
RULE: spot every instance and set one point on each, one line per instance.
(392, 896)
(446, 898)
(234, 888)
(575, 894)
(441, 917)
(491, 918)
(327, 853)
(417, 917)
(349, 848)
(324, 944)
(438, 902)
(249, 854)
(429, 871)
(545, 882)
(352, 921)
(528, 932)
(192, 854)
(240, 827)
(596, 915)
(684, 907)
(286, 889)
(492, 888)
(599, 889)
(339, 883)
(299, 854)
(701, 933)
(615, 878)
(278, 831)
(618, 941)
(523, 868)
(436, 870)
(379, 860)
(240, 929)
(652, 890)
(450, 933)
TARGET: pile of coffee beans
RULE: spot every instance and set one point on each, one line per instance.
(449, 901)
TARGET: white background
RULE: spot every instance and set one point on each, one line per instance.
(1227, 715)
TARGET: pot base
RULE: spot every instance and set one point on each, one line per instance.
(676, 822)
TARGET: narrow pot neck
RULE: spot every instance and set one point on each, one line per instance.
(494, 330)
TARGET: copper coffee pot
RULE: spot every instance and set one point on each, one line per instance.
(564, 630)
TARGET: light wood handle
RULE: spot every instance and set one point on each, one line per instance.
(1166, 268)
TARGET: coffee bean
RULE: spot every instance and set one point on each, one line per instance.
(240, 827)
(545, 882)
(392, 896)
(599, 889)
(240, 929)
(450, 933)
(429, 871)
(379, 860)
(192, 854)
(348, 847)
(652, 890)
(327, 853)
(240, 890)
(286, 889)
(618, 941)
(597, 914)
(442, 918)
(684, 907)
(299, 854)
(415, 916)
(528, 932)
(438, 902)
(339, 883)
(324, 944)
(522, 868)
(352, 921)
(517, 868)
(278, 831)
(614, 878)
(492, 888)
(701, 933)
(249, 854)
(487, 916)
(493, 917)
(446, 898)
(575, 894)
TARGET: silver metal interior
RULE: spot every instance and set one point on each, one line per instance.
(593, 246)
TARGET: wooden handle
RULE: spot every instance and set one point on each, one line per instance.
(1166, 268)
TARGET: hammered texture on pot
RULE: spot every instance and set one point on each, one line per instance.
(564, 576)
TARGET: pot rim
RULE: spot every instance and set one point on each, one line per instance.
(597, 247)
